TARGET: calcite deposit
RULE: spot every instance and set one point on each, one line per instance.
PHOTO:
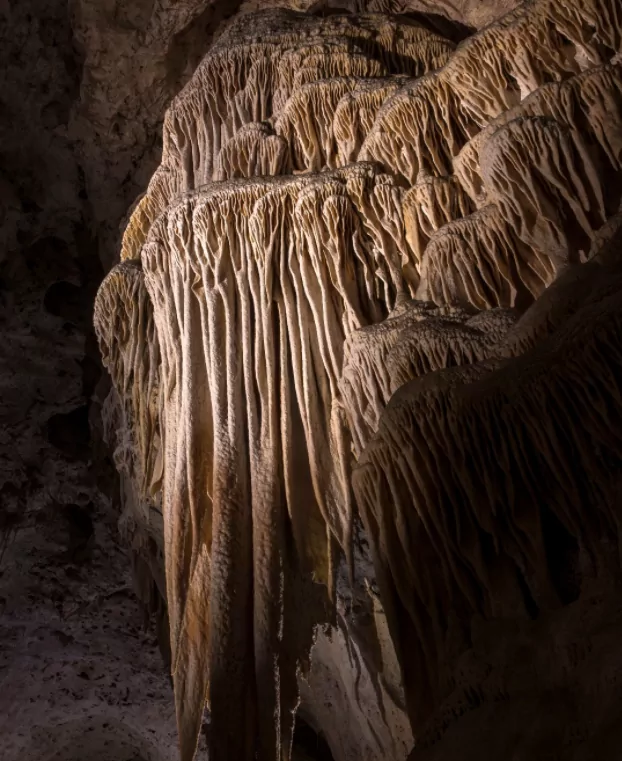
(336, 322)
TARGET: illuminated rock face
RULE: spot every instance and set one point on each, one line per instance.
(345, 205)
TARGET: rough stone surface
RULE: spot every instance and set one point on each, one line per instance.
(473, 13)
(134, 58)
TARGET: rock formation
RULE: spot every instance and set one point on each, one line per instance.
(81, 671)
(319, 290)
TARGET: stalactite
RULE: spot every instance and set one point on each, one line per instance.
(267, 259)
(425, 126)
(419, 130)
(410, 49)
(558, 203)
(249, 77)
(164, 186)
(589, 103)
(356, 113)
(126, 331)
(429, 205)
(416, 338)
(294, 59)
(306, 123)
(317, 68)
(380, 204)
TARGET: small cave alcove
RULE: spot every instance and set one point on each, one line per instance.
(69, 301)
(70, 432)
(308, 744)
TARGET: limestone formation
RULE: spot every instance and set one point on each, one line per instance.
(416, 338)
(480, 516)
(322, 279)
(254, 151)
(126, 331)
(429, 205)
(479, 261)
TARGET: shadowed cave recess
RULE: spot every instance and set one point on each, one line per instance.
(349, 488)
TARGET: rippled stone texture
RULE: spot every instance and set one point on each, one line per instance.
(351, 213)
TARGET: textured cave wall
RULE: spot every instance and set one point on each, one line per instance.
(473, 13)
(345, 203)
(530, 627)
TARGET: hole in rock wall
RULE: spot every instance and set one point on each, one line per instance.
(70, 432)
(309, 745)
(48, 258)
(80, 531)
(68, 301)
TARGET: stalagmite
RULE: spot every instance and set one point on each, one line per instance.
(380, 204)
(363, 251)
(538, 42)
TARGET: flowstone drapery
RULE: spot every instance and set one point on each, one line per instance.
(346, 204)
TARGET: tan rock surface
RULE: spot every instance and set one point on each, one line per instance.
(283, 314)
